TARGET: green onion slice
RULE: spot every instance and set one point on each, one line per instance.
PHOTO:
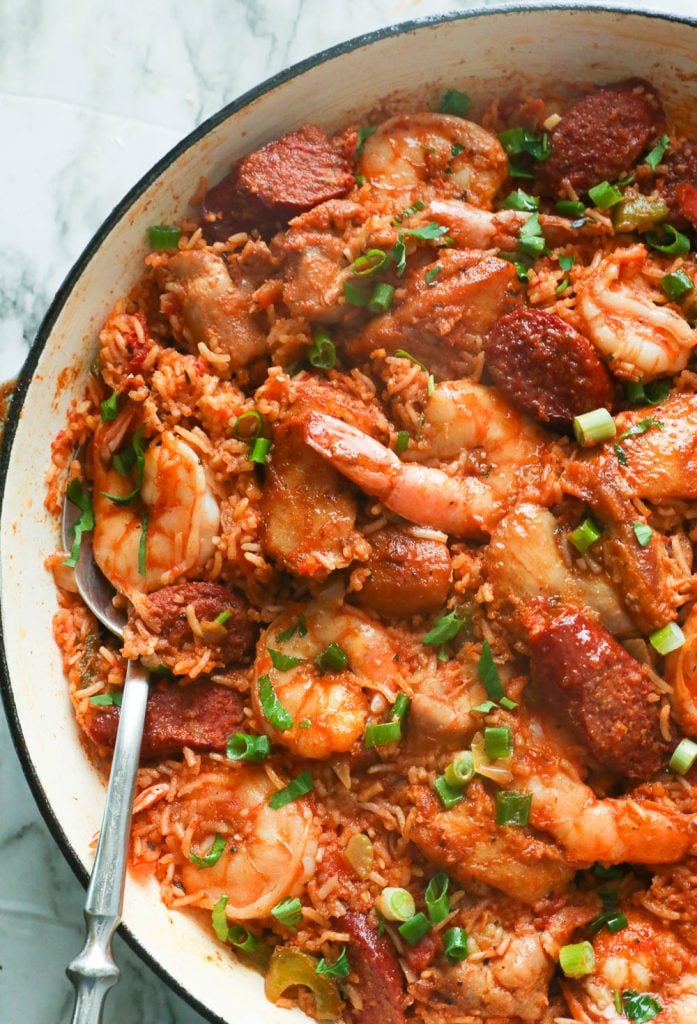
(273, 710)
(640, 1008)
(445, 628)
(566, 262)
(322, 352)
(594, 426)
(402, 442)
(654, 157)
(213, 855)
(133, 455)
(243, 746)
(605, 195)
(283, 662)
(288, 912)
(520, 200)
(668, 638)
(338, 969)
(377, 734)
(79, 497)
(413, 930)
(641, 427)
(259, 450)
(300, 786)
(400, 708)
(363, 134)
(143, 545)
(242, 939)
(519, 140)
(454, 102)
(455, 945)
(163, 236)
(356, 295)
(449, 795)
(585, 535)
(577, 959)
(683, 757)
(253, 425)
(570, 208)
(415, 207)
(512, 808)
(219, 919)
(106, 700)
(488, 673)
(675, 285)
(402, 353)
(332, 659)
(643, 533)
(437, 899)
(221, 619)
(396, 904)
(381, 299)
(432, 273)
(668, 241)
(369, 263)
(299, 627)
(498, 742)
(110, 407)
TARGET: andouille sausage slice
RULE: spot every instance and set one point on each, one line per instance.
(279, 181)
(545, 367)
(601, 136)
(607, 697)
(381, 982)
(408, 575)
(678, 184)
(201, 716)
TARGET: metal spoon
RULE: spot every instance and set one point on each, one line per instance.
(93, 972)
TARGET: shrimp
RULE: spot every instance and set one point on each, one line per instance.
(611, 830)
(681, 673)
(525, 560)
(329, 708)
(644, 957)
(167, 530)
(412, 148)
(460, 417)
(269, 853)
(623, 313)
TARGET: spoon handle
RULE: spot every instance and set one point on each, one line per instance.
(93, 972)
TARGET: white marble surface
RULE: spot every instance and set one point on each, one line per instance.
(90, 96)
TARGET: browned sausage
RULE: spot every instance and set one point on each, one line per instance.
(165, 609)
(545, 367)
(601, 136)
(686, 195)
(607, 697)
(201, 716)
(408, 575)
(374, 960)
(279, 181)
(680, 164)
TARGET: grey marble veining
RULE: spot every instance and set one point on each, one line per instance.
(90, 96)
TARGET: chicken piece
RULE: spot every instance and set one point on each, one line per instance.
(662, 462)
(409, 574)
(443, 323)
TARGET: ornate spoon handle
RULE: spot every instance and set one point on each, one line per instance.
(93, 972)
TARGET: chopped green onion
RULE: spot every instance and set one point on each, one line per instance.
(381, 299)
(633, 391)
(243, 746)
(675, 285)
(133, 455)
(605, 195)
(454, 102)
(252, 415)
(429, 232)
(332, 659)
(403, 354)
(273, 710)
(298, 627)
(620, 453)
(360, 179)
(668, 638)
(415, 207)
(498, 742)
(432, 273)
(455, 945)
(530, 238)
(508, 704)
(640, 1008)
(363, 134)
(402, 442)
(143, 545)
(616, 922)
(437, 899)
(356, 295)
(399, 254)
(445, 628)
(283, 662)
(683, 757)
(213, 855)
(322, 352)
(657, 391)
(110, 407)
(594, 426)
(338, 969)
(400, 708)
(512, 808)
(221, 619)
(456, 149)
(259, 450)
(585, 535)
(82, 500)
(219, 919)
(566, 262)
(570, 207)
(654, 157)
(577, 959)
(413, 930)
(242, 939)
(515, 170)
(396, 904)
(300, 786)
(485, 707)
(519, 140)
(520, 200)
(377, 734)
(288, 912)
(562, 286)
(609, 917)
(641, 427)
(668, 241)
(449, 795)
(163, 236)
(369, 263)
(305, 723)
(488, 673)
(106, 700)
(643, 533)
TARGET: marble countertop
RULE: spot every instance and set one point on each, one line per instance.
(90, 96)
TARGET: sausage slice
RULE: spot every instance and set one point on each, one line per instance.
(374, 960)
(545, 367)
(590, 681)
